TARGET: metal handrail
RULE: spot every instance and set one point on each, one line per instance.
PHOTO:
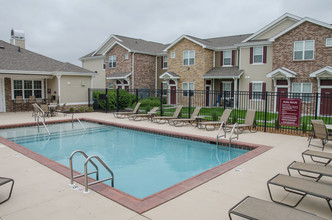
(98, 181)
(72, 121)
(221, 128)
(72, 177)
(236, 125)
(38, 116)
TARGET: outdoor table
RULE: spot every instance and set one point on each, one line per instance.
(52, 108)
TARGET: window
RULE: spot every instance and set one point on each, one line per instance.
(110, 85)
(226, 90)
(188, 87)
(257, 54)
(304, 50)
(329, 42)
(172, 54)
(188, 57)
(164, 88)
(126, 56)
(227, 58)
(302, 90)
(26, 88)
(257, 88)
(164, 62)
(104, 64)
(112, 61)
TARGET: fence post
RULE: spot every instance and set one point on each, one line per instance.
(136, 95)
(117, 99)
(224, 97)
(106, 91)
(316, 108)
(89, 96)
(161, 103)
(266, 98)
(189, 104)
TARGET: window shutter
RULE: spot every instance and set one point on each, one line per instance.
(263, 91)
(250, 90)
(232, 89)
(221, 90)
(233, 57)
(162, 62)
(221, 58)
(251, 54)
(264, 54)
(161, 86)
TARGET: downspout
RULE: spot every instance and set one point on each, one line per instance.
(133, 71)
(156, 75)
(59, 88)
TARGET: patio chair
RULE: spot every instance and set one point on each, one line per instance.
(164, 119)
(61, 109)
(301, 187)
(45, 110)
(182, 121)
(249, 121)
(31, 100)
(18, 102)
(324, 157)
(3, 181)
(254, 208)
(208, 124)
(139, 117)
(126, 114)
(319, 132)
(315, 171)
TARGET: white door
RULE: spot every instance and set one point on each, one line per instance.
(2, 96)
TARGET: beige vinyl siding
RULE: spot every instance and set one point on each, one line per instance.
(93, 65)
(53, 85)
(106, 46)
(74, 92)
(275, 30)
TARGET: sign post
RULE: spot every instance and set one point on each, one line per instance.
(290, 112)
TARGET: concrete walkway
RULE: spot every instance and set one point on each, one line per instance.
(40, 193)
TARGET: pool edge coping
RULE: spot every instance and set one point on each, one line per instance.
(141, 205)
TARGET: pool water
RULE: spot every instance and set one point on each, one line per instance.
(142, 163)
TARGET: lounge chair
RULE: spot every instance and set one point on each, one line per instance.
(254, 208)
(149, 115)
(319, 132)
(126, 114)
(324, 157)
(249, 121)
(301, 187)
(164, 119)
(45, 110)
(3, 181)
(224, 118)
(182, 121)
(315, 171)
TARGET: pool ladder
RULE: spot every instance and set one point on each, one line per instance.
(223, 136)
(89, 159)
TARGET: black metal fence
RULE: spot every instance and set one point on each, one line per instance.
(213, 103)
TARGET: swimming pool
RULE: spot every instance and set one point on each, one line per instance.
(143, 163)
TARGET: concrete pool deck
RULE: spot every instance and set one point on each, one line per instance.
(41, 193)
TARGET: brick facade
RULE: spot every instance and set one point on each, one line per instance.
(144, 67)
(194, 73)
(283, 52)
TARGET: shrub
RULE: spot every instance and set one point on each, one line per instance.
(125, 99)
(234, 118)
(90, 109)
(81, 109)
(71, 109)
(214, 115)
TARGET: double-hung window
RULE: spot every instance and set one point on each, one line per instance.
(112, 61)
(164, 62)
(257, 54)
(26, 88)
(257, 88)
(188, 57)
(188, 88)
(302, 90)
(304, 50)
(164, 90)
(104, 64)
(227, 58)
(329, 42)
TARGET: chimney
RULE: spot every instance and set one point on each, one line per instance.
(17, 38)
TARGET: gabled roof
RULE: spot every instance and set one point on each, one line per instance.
(170, 75)
(306, 19)
(323, 71)
(19, 60)
(283, 71)
(271, 25)
(217, 43)
(223, 73)
(124, 75)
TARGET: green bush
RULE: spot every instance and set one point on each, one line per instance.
(81, 109)
(125, 99)
(71, 109)
(90, 109)
(214, 115)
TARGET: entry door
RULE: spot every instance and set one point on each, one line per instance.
(2, 96)
(281, 93)
(173, 95)
(207, 96)
(326, 102)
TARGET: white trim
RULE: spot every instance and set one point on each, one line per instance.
(323, 24)
(105, 42)
(183, 37)
(2, 97)
(286, 72)
(224, 77)
(91, 58)
(273, 23)
(317, 73)
(59, 87)
(303, 50)
(255, 43)
(75, 103)
(189, 52)
(26, 72)
(328, 38)
(30, 79)
(168, 75)
(120, 77)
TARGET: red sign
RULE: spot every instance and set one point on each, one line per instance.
(290, 112)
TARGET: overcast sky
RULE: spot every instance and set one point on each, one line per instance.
(69, 29)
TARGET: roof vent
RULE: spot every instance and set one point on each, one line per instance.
(2, 47)
(19, 49)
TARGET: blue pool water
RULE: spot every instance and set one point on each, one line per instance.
(142, 163)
